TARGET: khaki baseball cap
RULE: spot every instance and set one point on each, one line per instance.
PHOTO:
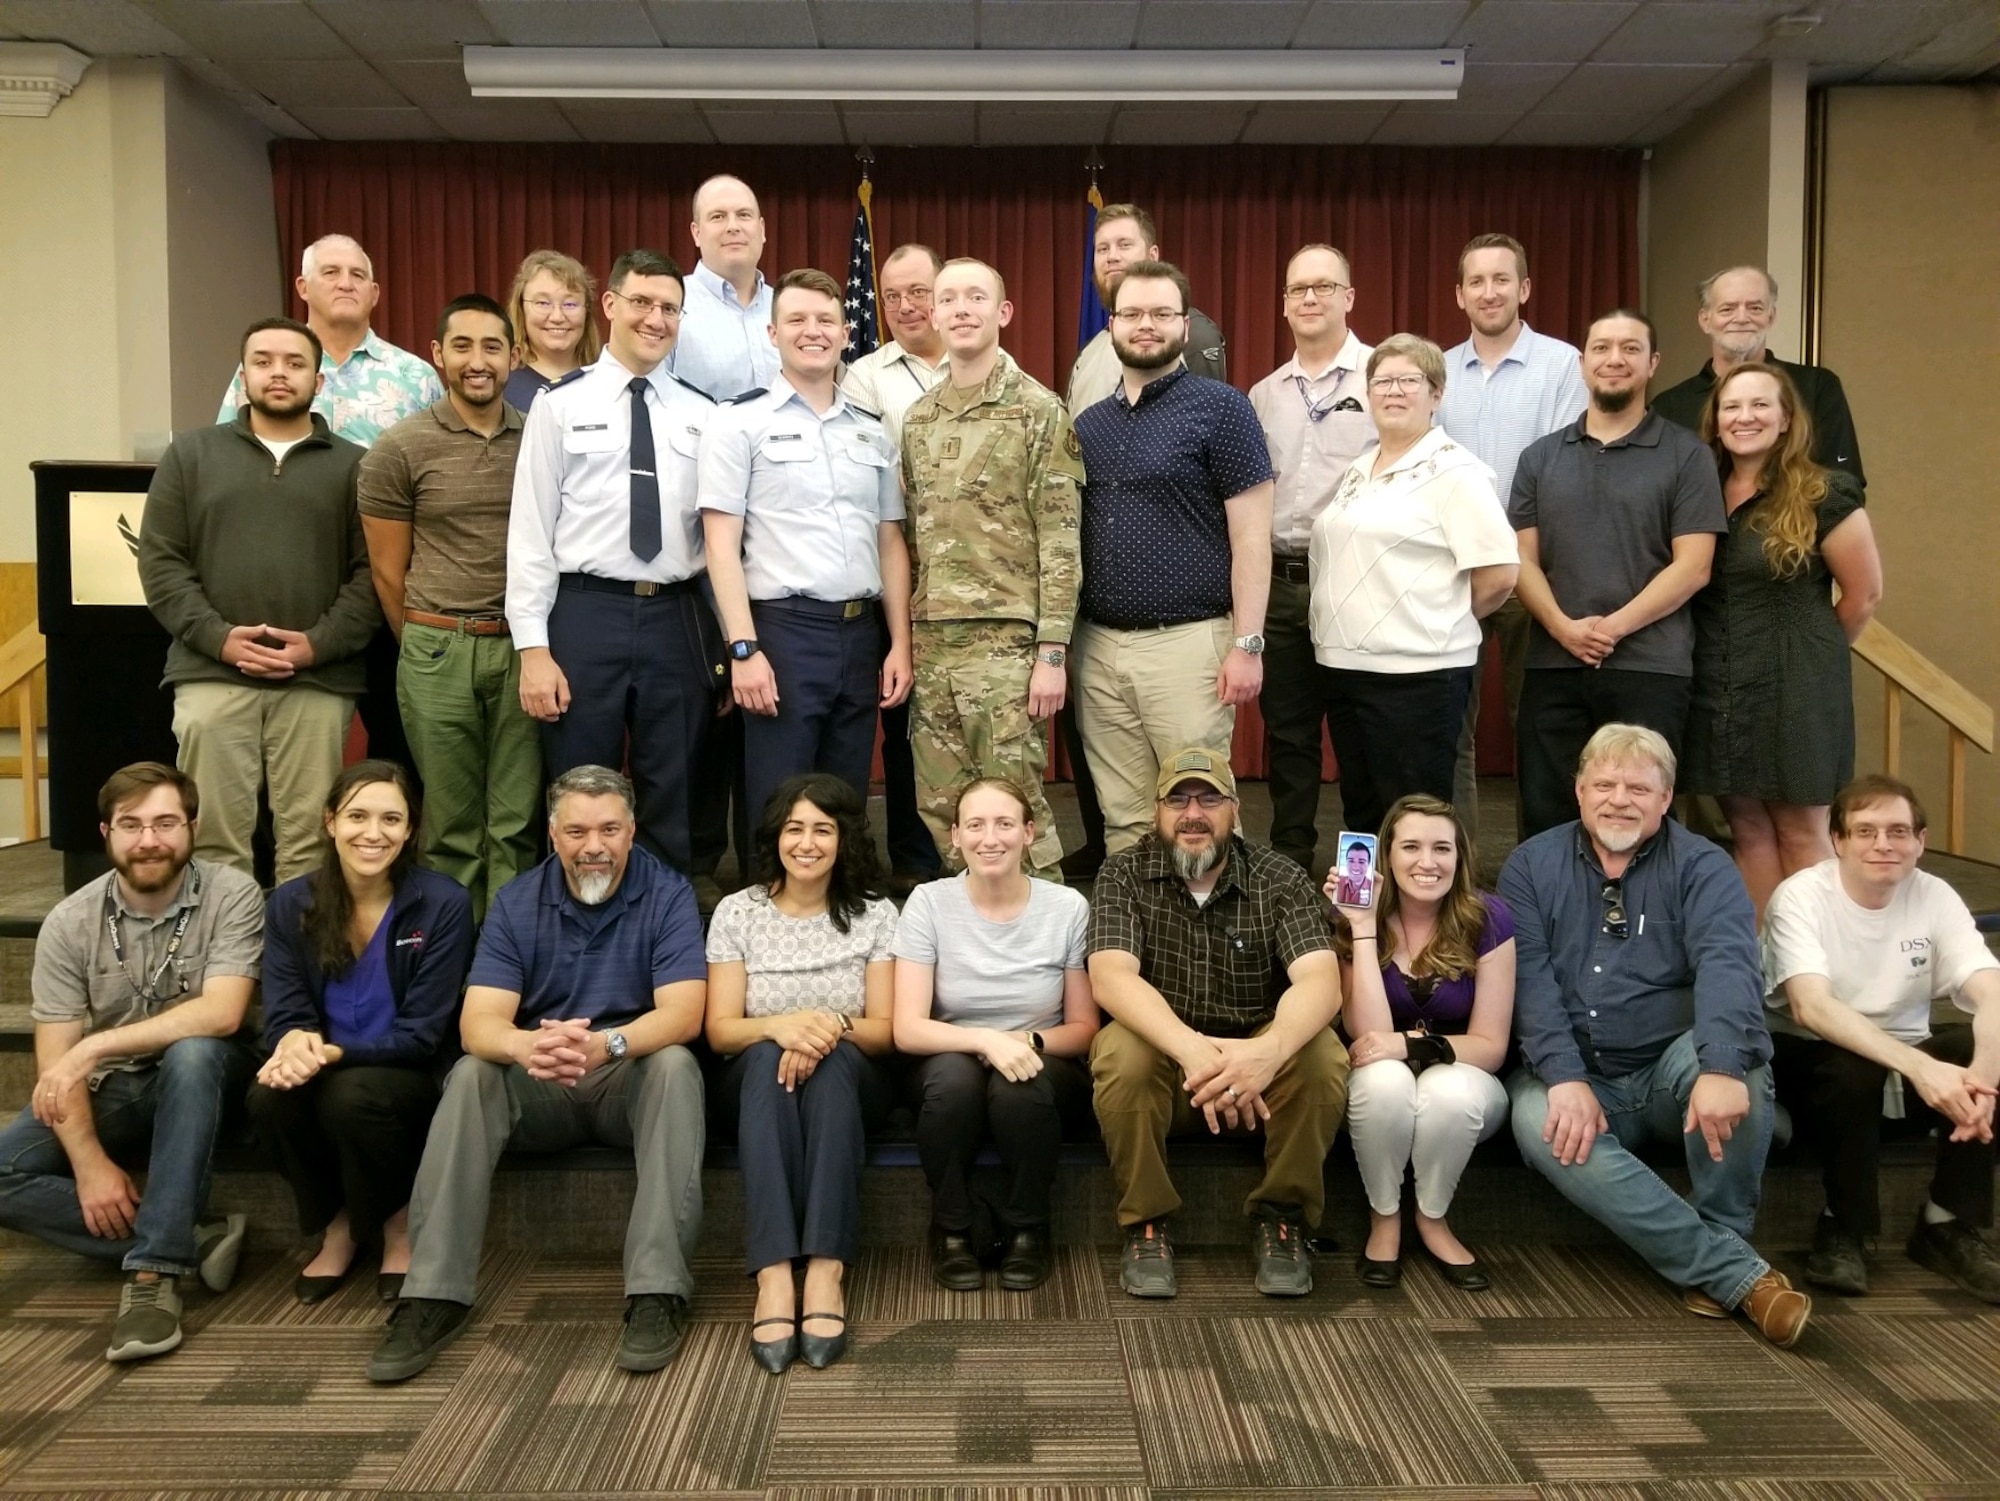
(1196, 764)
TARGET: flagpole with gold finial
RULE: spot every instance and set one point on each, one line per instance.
(866, 157)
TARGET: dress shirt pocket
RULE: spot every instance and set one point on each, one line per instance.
(1655, 954)
(685, 440)
(593, 437)
(869, 451)
(784, 448)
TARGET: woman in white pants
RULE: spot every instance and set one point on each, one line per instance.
(1428, 977)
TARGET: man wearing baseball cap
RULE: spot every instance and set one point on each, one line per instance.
(1214, 958)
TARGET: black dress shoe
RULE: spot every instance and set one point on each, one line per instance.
(1378, 1273)
(953, 1262)
(389, 1286)
(1467, 1276)
(776, 1354)
(310, 1290)
(822, 1350)
(1027, 1264)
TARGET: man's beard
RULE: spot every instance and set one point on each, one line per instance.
(1613, 401)
(593, 885)
(152, 875)
(1167, 354)
(1741, 346)
(301, 401)
(1194, 864)
(1617, 840)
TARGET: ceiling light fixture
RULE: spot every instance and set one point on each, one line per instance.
(1802, 23)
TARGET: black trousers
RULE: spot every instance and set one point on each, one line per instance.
(380, 710)
(348, 1138)
(1837, 1096)
(1561, 708)
(1293, 707)
(1393, 733)
(961, 1102)
(1088, 808)
(801, 1151)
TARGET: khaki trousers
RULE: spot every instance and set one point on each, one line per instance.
(1141, 1101)
(235, 741)
(1140, 696)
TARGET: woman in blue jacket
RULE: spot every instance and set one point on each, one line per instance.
(364, 967)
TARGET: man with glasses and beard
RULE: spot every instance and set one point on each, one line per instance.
(1214, 958)
(142, 979)
(1639, 1006)
(1176, 555)
(589, 980)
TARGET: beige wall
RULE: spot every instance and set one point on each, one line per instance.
(1909, 256)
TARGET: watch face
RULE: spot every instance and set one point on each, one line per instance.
(742, 651)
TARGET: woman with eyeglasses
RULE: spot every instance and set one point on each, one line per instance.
(1427, 980)
(554, 310)
(364, 964)
(1411, 553)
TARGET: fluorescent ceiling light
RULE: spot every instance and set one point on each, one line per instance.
(898, 76)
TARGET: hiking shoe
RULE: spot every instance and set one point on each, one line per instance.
(218, 1249)
(149, 1320)
(418, 1329)
(655, 1324)
(1778, 1309)
(1956, 1250)
(1835, 1262)
(1284, 1260)
(1701, 1305)
(1147, 1270)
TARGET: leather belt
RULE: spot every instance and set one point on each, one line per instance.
(644, 588)
(831, 609)
(469, 625)
(1293, 568)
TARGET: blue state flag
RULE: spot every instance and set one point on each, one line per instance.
(1091, 316)
(864, 330)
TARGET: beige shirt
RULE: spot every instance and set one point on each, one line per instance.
(1311, 452)
(889, 381)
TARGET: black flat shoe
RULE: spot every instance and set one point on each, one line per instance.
(317, 1289)
(1468, 1276)
(775, 1355)
(953, 1262)
(1378, 1273)
(1026, 1266)
(822, 1350)
(389, 1286)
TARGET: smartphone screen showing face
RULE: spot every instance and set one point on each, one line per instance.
(1354, 870)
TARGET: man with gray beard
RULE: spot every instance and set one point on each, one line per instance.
(589, 981)
(1214, 958)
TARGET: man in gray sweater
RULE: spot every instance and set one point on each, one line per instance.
(252, 557)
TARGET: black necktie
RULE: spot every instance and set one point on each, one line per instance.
(645, 481)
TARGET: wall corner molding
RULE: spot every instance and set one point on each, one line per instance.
(37, 76)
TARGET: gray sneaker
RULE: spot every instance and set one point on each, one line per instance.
(218, 1249)
(149, 1320)
(1147, 1270)
(1284, 1260)
(1835, 1261)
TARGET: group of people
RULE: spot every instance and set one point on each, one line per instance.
(709, 552)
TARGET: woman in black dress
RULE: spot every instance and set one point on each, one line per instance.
(1771, 727)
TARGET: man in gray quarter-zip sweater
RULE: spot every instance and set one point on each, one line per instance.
(251, 554)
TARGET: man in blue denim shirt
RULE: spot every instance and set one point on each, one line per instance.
(1638, 1009)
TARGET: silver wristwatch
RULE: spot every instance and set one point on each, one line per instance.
(1054, 656)
(615, 1045)
(1253, 644)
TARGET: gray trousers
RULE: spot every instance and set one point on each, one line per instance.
(651, 1104)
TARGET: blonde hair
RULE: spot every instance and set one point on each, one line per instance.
(573, 274)
(1792, 484)
(1628, 742)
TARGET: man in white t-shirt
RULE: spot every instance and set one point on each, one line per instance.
(1855, 951)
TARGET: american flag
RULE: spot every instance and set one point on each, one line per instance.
(864, 331)
(1091, 317)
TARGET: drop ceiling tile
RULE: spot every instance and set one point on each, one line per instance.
(1342, 123)
(570, 23)
(1038, 24)
(632, 120)
(1044, 125)
(1539, 31)
(776, 125)
(733, 23)
(933, 125)
(319, 85)
(893, 23)
(261, 29)
(1440, 125)
(1491, 87)
(1692, 31)
(1971, 32)
(1380, 23)
(1848, 33)
(1547, 128)
(406, 124)
(1228, 24)
(505, 120)
(397, 29)
(1725, 82)
(97, 28)
(1204, 124)
(430, 84)
(1638, 91)
(213, 76)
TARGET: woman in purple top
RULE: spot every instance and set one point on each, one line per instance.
(1428, 979)
(364, 965)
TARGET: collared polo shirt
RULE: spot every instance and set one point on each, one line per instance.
(454, 488)
(572, 507)
(1315, 425)
(1156, 477)
(813, 490)
(1835, 443)
(1536, 388)
(1224, 964)
(725, 347)
(1587, 1002)
(601, 964)
(1606, 515)
(888, 383)
(365, 395)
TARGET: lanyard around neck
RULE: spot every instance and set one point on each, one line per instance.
(149, 992)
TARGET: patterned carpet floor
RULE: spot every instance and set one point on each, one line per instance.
(1577, 1377)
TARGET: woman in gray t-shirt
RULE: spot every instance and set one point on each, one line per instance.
(991, 993)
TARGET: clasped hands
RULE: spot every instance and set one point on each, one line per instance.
(561, 1050)
(299, 1055)
(804, 1037)
(1590, 640)
(269, 652)
(1956, 1095)
(1226, 1078)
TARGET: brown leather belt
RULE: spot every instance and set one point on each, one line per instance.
(470, 625)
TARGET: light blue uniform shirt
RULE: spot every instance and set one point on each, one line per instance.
(812, 490)
(725, 347)
(1536, 388)
(573, 490)
(365, 395)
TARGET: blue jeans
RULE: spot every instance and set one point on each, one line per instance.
(1699, 1241)
(166, 1116)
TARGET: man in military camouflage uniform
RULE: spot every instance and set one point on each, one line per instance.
(991, 474)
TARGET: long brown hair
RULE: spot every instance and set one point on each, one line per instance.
(1792, 484)
(1454, 949)
(331, 905)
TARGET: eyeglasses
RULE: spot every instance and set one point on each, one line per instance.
(919, 297)
(165, 828)
(1388, 383)
(1895, 833)
(645, 307)
(1132, 316)
(544, 306)
(1297, 291)
(1613, 893)
(1208, 801)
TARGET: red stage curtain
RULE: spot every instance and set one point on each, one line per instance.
(444, 219)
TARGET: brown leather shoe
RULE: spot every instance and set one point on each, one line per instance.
(1697, 1302)
(1778, 1309)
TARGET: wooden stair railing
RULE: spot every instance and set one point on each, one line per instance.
(21, 659)
(1905, 670)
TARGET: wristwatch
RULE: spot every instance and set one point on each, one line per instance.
(742, 651)
(1252, 643)
(1035, 1041)
(1054, 656)
(615, 1045)
(846, 1022)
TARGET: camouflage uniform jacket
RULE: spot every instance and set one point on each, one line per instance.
(993, 482)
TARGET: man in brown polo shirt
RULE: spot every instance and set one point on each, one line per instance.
(436, 490)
